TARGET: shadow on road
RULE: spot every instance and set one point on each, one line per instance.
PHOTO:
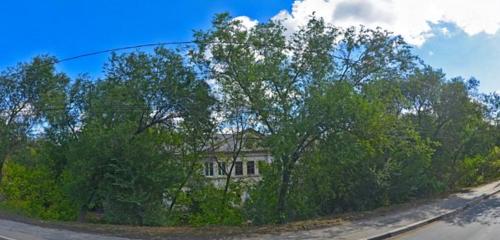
(486, 213)
(483, 213)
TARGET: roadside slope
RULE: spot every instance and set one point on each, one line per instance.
(480, 222)
(378, 225)
(350, 226)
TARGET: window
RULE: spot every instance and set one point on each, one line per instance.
(209, 169)
(250, 168)
(222, 168)
(238, 171)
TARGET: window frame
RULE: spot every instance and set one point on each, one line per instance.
(221, 168)
(253, 168)
(240, 164)
(209, 169)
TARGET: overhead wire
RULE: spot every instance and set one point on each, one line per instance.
(157, 44)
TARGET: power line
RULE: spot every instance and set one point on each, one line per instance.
(67, 59)
(122, 49)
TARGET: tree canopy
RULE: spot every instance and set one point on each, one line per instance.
(352, 119)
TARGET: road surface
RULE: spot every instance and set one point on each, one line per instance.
(10, 230)
(479, 222)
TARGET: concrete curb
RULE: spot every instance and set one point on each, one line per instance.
(416, 225)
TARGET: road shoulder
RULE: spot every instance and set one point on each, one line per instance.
(357, 225)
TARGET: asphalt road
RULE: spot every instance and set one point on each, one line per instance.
(11, 230)
(479, 222)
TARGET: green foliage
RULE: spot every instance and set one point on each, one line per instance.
(127, 181)
(261, 207)
(472, 170)
(284, 82)
(205, 207)
(34, 192)
(352, 119)
(479, 169)
(375, 161)
(26, 91)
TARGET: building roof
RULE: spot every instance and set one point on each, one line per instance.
(250, 141)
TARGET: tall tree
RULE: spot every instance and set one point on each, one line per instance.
(30, 95)
(129, 145)
(276, 75)
(446, 112)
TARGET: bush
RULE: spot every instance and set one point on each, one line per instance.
(261, 207)
(207, 208)
(479, 169)
(33, 191)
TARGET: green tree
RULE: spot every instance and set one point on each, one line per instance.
(28, 94)
(127, 155)
(276, 76)
(445, 112)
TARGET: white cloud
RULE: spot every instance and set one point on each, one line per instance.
(445, 31)
(246, 21)
(410, 18)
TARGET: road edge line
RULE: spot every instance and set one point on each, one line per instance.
(424, 222)
(6, 238)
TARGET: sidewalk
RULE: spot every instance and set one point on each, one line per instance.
(366, 228)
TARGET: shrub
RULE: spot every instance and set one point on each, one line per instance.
(34, 191)
(207, 206)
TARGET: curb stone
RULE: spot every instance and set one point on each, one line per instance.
(424, 222)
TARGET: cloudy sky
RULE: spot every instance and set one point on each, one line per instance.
(461, 37)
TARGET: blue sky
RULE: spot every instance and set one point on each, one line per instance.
(461, 55)
(68, 28)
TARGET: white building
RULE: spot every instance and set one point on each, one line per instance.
(246, 152)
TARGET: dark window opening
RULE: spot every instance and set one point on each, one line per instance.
(209, 169)
(222, 168)
(250, 168)
(238, 171)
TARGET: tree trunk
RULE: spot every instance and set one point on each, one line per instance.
(3, 158)
(224, 197)
(226, 187)
(82, 214)
(283, 192)
(5, 150)
(1, 171)
(179, 190)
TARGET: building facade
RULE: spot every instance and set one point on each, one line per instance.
(238, 155)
